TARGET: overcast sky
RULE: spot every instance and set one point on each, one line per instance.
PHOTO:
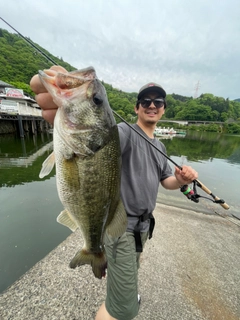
(189, 47)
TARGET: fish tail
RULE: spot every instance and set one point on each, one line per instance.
(98, 262)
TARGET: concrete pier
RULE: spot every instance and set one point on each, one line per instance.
(189, 270)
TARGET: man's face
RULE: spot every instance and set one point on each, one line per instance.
(150, 114)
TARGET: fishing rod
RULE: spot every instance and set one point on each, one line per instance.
(191, 194)
(30, 42)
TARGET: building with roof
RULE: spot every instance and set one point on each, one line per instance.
(18, 107)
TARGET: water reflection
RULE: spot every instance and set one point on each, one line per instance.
(13, 145)
(235, 157)
(28, 227)
(26, 160)
(23, 157)
(204, 146)
(216, 157)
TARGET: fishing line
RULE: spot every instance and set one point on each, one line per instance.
(140, 148)
(197, 196)
(31, 43)
(192, 197)
(146, 139)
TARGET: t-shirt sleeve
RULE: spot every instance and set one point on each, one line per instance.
(167, 170)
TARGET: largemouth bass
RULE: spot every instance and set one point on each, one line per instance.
(88, 163)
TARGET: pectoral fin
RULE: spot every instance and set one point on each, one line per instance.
(47, 165)
(65, 219)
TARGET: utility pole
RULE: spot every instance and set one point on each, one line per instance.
(196, 89)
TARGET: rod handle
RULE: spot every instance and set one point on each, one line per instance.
(204, 188)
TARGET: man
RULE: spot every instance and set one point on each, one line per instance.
(143, 168)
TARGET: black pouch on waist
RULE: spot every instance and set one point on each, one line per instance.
(137, 232)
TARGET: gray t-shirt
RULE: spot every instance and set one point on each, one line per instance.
(143, 167)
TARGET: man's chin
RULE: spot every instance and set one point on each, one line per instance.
(152, 121)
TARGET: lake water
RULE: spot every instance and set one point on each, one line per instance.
(30, 205)
(216, 157)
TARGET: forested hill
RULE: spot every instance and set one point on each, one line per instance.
(19, 61)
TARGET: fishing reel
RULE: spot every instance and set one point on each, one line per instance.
(190, 193)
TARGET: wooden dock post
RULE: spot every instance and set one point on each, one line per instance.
(34, 129)
(20, 126)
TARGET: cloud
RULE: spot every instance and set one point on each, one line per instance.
(131, 43)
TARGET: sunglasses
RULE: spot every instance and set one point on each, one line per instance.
(145, 103)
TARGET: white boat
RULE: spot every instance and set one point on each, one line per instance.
(163, 131)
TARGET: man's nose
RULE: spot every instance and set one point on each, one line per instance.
(152, 105)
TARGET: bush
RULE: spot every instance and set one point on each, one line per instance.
(233, 128)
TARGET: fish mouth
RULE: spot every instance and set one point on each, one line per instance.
(68, 80)
(69, 85)
(69, 90)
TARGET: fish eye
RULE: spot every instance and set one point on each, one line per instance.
(97, 99)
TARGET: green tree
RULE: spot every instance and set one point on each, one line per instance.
(19, 62)
(224, 116)
(194, 111)
(171, 107)
(121, 113)
(233, 128)
(215, 115)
